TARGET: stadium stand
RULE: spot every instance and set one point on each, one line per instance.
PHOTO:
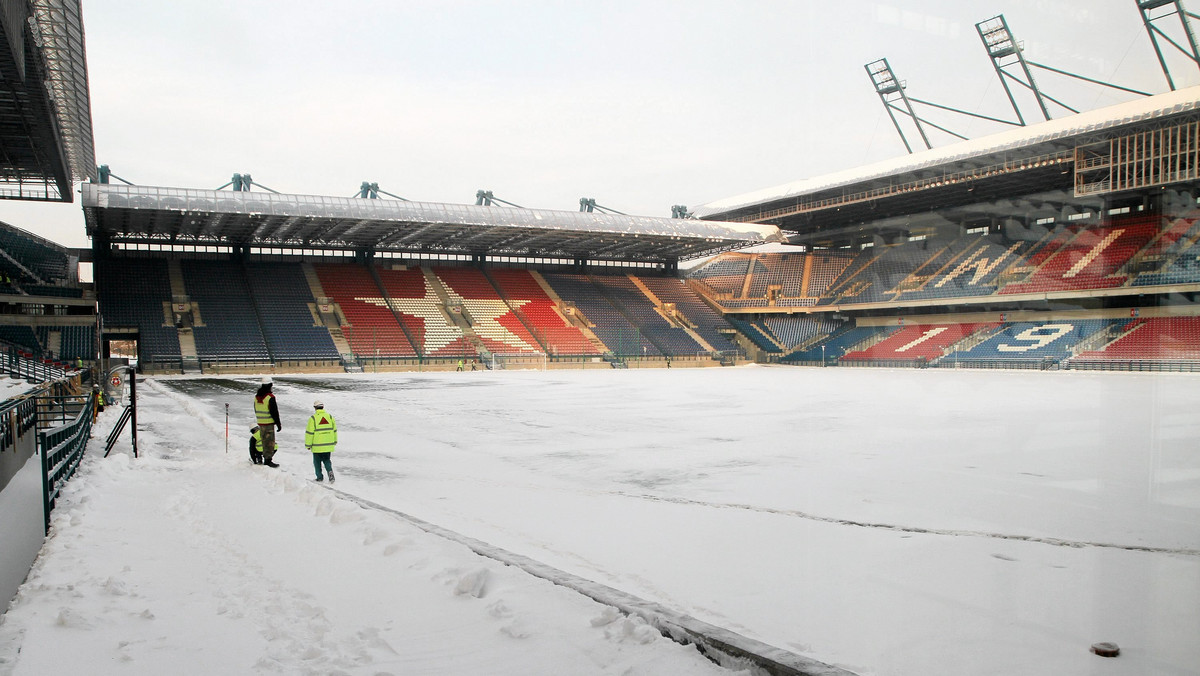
(132, 293)
(423, 313)
(23, 337)
(624, 294)
(757, 334)
(492, 320)
(844, 339)
(74, 342)
(725, 274)
(283, 300)
(372, 329)
(531, 303)
(1158, 338)
(704, 320)
(230, 327)
(925, 343)
(793, 331)
(26, 253)
(1031, 341)
(618, 334)
(1090, 258)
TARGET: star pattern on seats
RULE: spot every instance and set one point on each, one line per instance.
(438, 332)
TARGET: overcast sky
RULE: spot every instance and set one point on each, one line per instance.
(640, 105)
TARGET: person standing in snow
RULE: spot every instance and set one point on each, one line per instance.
(256, 456)
(320, 437)
(266, 414)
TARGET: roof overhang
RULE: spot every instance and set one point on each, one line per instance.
(45, 109)
(179, 216)
(1032, 159)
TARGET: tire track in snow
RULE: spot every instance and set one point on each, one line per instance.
(1057, 542)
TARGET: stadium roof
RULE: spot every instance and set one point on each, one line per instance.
(177, 216)
(45, 109)
(1025, 159)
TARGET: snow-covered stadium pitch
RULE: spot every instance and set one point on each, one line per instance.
(900, 522)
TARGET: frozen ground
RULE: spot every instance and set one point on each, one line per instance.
(892, 522)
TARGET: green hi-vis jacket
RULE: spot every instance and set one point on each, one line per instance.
(321, 434)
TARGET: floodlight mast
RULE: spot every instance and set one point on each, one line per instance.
(243, 182)
(890, 89)
(371, 191)
(103, 174)
(1006, 52)
(485, 198)
(1146, 9)
(588, 205)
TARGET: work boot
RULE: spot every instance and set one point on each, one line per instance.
(330, 476)
(321, 478)
(270, 463)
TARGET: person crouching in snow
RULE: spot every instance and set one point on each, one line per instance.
(320, 437)
(256, 455)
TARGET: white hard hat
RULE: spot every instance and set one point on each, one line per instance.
(318, 404)
(266, 380)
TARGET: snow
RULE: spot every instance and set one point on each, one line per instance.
(884, 521)
(11, 387)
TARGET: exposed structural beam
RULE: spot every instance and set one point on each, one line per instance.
(891, 91)
(588, 205)
(1150, 18)
(372, 191)
(243, 182)
(1008, 55)
(485, 198)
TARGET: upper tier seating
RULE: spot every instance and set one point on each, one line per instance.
(923, 341)
(708, 323)
(424, 314)
(671, 340)
(1032, 341)
(784, 270)
(616, 332)
(492, 319)
(1157, 338)
(46, 260)
(230, 329)
(725, 273)
(131, 293)
(74, 342)
(372, 329)
(1090, 259)
(283, 297)
(524, 293)
(968, 267)
(23, 337)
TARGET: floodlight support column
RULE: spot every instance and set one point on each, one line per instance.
(1145, 7)
(886, 83)
(999, 42)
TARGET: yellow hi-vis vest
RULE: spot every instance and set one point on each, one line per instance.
(257, 435)
(320, 436)
(262, 410)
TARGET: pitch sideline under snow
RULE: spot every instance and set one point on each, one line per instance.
(866, 518)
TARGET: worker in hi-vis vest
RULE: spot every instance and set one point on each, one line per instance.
(266, 414)
(256, 456)
(321, 438)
